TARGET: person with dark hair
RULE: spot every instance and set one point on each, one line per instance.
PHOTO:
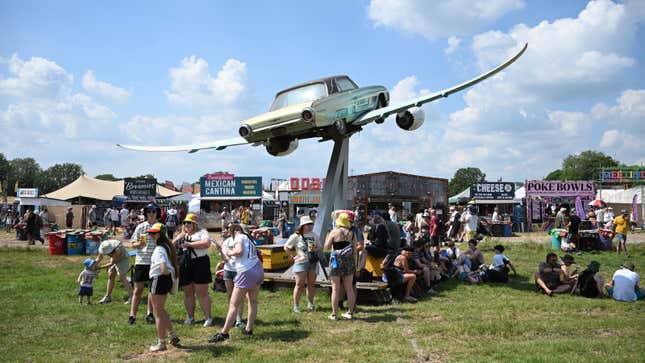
(476, 257)
(162, 272)
(590, 282)
(499, 269)
(408, 275)
(378, 236)
(548, 276)
(394, 232)
(574, 227)
(569, 269)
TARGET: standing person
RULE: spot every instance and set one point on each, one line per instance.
(38, 225)
(303, 247)
(228, 244)
(496, 218)
(624, 284)
(171, 221)
(247, 282)
(561, 219)
(224, 217)
(434, 231)
(574, 227)
(245, 215)
(114, 219)
(163, 269)
(30, 221)
(394, 233)
(393, 216)
(282, 222)
(91, 217)
(9, 220)
(195, 272)
(341, 241)
(145, 246)
(609, 216)
(600, 217)
(86, 280)
(123, 218)
(378, 236)
(106, 218)
(408, 229)
(621, 226)
(69, 218)
(119, 263)
(471, 222)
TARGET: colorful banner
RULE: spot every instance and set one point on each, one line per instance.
(222, 185)
(635, 207)
(560, 188)
(623, 176)
(492, 191)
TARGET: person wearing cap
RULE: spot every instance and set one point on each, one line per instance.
(342, 242)
(119, 263)
(195, 272)
(247, 282)
(144, 245)
(86, 280)
(621, 226)
(624, 284)
(303, 247)
(471, 222)
(163, 269)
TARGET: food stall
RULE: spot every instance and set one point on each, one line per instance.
(227, 190)
(544, 198)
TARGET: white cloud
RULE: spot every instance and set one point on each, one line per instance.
(37, 77)
(453, 44)
(104, 89)
(437, 19)
(193, 85)
(609, 138)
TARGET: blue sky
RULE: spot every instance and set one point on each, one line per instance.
(78, 77)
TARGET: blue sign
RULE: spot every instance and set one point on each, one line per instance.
(216, 186)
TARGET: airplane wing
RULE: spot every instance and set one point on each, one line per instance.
(218, 145)
(384, 112)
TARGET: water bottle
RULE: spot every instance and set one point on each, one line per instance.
(332, 260)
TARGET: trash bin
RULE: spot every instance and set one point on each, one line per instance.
(556, 237)
(56, 242)
(75, 243)
(92, 242)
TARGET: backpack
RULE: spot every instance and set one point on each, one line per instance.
(588, 285)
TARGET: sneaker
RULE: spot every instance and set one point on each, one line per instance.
(189, 321)
(347, 315)
(208, 322)
(158, 347)
(296, 309)
(247, 332)
(132, 319)
(174, 340)
(240, 324)
(219, 337)
(311, 307)
(128, 301)
(332, 317)
(150, 319)
(410, 299)
(106, 299)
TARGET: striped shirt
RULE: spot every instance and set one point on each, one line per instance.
(143, 253)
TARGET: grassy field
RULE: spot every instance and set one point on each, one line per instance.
(42, 321)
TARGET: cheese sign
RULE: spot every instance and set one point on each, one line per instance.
(307, 183)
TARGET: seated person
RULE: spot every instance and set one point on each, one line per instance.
(567, 244)
(590, 282)
(548, 276)
(624, 284)
(569, 268)
(394, 273)
(498, 270)
(606, 236)
(464, 272)
(418, 262)
(378, 236)
(475, 255)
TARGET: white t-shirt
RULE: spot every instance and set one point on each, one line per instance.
(143, 253)
(453, 255)
(159, 255)
(471, 223)
(249, 257)
(114, 214)
(465, 214)
(609, 216)
(124, 215)
(496, 217)
(499, 261)
(301, 245)
(228, 245)
(625, 282)
(196, 237)
(393, 217)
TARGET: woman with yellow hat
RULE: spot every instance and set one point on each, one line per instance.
(195, 271)
(342, 243)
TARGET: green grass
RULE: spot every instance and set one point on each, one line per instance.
(42, 321)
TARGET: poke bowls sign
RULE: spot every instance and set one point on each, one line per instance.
(560, 188)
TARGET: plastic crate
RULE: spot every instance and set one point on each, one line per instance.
(274, 257)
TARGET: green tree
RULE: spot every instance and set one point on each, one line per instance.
(108, 177)
(586, 165)
(4, 175)
(554, 175)
(23, 170)
(463, 178)
(58, 176)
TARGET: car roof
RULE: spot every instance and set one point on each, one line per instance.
(319, 80)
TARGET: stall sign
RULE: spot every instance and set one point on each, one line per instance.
(560, 188)
(304, 198)
(27, 193)
(625, 176)
(307, 183)
(492, 191)
(140, 189)
(250, 187)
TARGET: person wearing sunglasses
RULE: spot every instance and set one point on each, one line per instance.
(194, 267)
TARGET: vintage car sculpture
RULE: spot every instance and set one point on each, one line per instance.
(326, 108)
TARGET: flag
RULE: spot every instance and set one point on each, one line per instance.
(635, 207)
(580, 209)
(15, 188)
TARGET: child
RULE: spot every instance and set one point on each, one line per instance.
(499, 269)
(86, 279)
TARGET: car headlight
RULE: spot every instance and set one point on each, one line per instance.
(245, 130)
(308, 114)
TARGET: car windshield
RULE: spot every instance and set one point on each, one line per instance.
(299, 95)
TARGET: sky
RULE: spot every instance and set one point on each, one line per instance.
(78, 77)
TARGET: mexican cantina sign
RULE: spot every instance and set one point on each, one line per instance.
(560, 188)
(493, 191)
(622, 176)
(228, 185)
(141, 190)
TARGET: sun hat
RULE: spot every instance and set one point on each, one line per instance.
(191, 217)
(88, 262)
(629, 265)
(108, 246)
(343, 220)
(155, 228)
(594, 266)
(306, 220)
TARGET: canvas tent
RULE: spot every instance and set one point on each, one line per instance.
(623, 198)
(91, 188)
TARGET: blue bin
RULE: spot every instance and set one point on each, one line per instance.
(556, 239)
(75, 243)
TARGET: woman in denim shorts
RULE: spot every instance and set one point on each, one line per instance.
(303, 247)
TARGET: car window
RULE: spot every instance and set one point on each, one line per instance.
(344, 84)
(299, 95)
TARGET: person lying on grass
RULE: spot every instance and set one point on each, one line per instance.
(548, 277)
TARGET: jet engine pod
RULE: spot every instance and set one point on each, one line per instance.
(410, 119)
(281, 146)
